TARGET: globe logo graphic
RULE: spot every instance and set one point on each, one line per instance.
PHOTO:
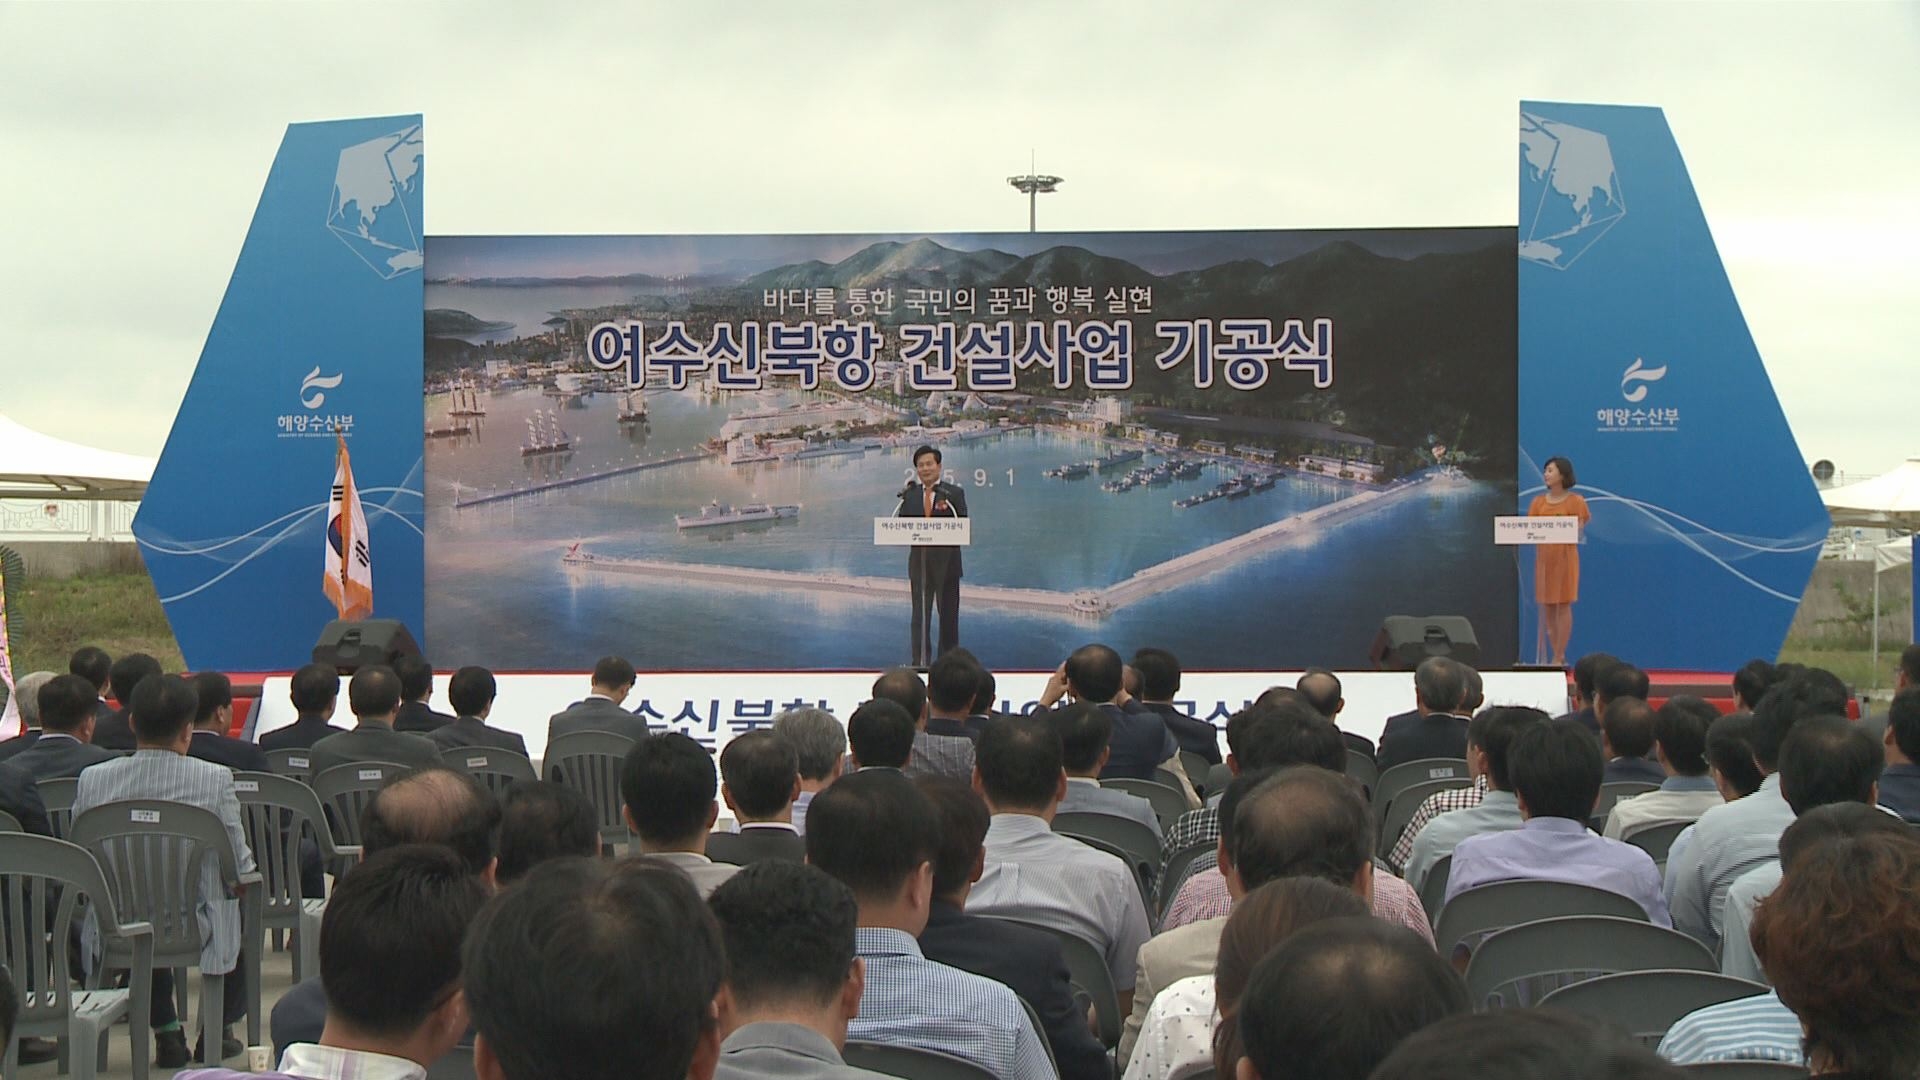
(1569, 194)
(376, 206)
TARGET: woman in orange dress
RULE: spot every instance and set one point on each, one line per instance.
(1556, 568)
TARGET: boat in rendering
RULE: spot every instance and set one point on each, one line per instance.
(545, 436)
(718, 513)
(1070, 472)
(1117, 459)
(633, 408)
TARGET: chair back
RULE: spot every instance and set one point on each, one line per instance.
(57, 795)
(152, 853)
(1168, 804)
(910, 1062)
(1361, 767)
(1218, 777)
(1119, 843)
(590, 762)
(1408, 773)
(1657, 840)
(455, 1064)
(1087, 970)
(1040, 1029)
(1645, 1004)
(1613, 793)
(1745, 1070)
(277, 811)
(496, 769)
(1570, 949)
(1399, 813)
(1197, 768)
(1433, 891)
(9, 823)
(345, 790)
(1479, 911)
(1180, 868)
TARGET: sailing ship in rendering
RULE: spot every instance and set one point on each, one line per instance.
(633, 408)
(718, 513)
(545, 436)
(466, 400)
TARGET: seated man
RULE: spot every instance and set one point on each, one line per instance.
(314, 691)
(604, 707)
(596, 969)
(115, 732)
(1488, 739)
(65, 745)
(881, 735)
(668, 786)
(951, 684)
(1900, 783)
(416, 687)
(1159, 682)
(1141, 742)
(92, 663)
(374, 697)
(1440, 694)
(390, 958)
(933, 752)
(1626, 738)
(26, 692)
(1555, 769)
(163, 708)
(540, 821)
(471, 692)
(1084, 729)
(211, 722)
(1585, 670)
(877, 834)
(760, 778)
(1680, 745)
(819, 747)
(792, 972)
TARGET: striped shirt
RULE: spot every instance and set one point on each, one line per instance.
(1205, 896)
(1758, 1028)
(941, 755)
(912, 1001)
(1036, 875)
(1436, 804)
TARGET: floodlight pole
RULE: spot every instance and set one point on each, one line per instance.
(1034, 185)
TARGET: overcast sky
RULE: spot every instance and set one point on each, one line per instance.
(134, 139)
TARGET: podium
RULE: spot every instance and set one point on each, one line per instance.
(929, 541)
(1519, 531)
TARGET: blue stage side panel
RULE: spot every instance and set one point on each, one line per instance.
(320, 327)
(1636, 364)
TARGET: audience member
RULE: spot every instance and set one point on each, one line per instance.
(1489, 738)
(1159, 682)
(314, 691)
(604, 708)
(1584, 671)
(819, 748)
(668, 786)
(416, 716)
(1141, 742)
(1680, 745)
(952, 682)
(115, 731)
(792, 973)
(1626, 741)
(933, 753)
(26, 692)
(1730, 757)
(1323, 691)
(760, 778)
(1618, 681)
(542, 820)
(596, 969)
(211, 722)
(1750, 683)
(1027, 960)
(1084, 729)
(471, 692)
(1522, 1044)
(374, 696)
(1900, 783)
(881, 735)
(65, 745)
(1556, 772)
(1908, 673)
(1439, 689)
(92, 663)
(877, 834)
(986, 693)
(1336, 998)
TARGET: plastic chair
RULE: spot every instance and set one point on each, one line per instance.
(1218, 777)
(1645, 1004)
(1168, 803)
(1399, 813)
(1745, 1070)
(1362, 768)
(496, 769)
(1573, 948)
(57, 794)
(296, 763)
(1613, 793)
(152, 853)
(278, 811)
(1180, 867)
(910, 1062)
(1033, 1019)
(1197, 768)
(9, 823)
(1433, 891)
(590, 762)
(455, 1064)
(1193, 1072)
(42, 884)
(1408, 773)
(1481, 910)
(1087, 970)
(345, 790)
(1121, 840)
(1657, 840)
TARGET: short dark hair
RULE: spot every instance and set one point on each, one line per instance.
(1628, 726)
(1441, 683)
(1812, 692)
(1680, 727)
(1085, 731)
(1336, 998)
(1730, 752)
(613, 672)
(985, 691)
(1903, 719)
(760, 770)
(789, 931)
(962, 824)
(872, 830)
(1556, 769)
(923, 450)
(1910, 662)
(542, 820)
(951, 682)
(433, 805)
(1621, 680)
(817, 739)
(1826, 760)
(471, 690)
(128, 673)
(1302, 821)
(1588, 666)
(91, 663)
(904, 687)
(1096, 672)
(1018, 758)
(1494, 730)
(212, 691)
(880, 732)
(668, 784)
(314, 688)
(374, 690)
(1751, 681)
(390, 938)
(416, 678)
(1522, 1044)
(66, 701)
(1565, 468)
(1833, 822)
(1289, 732)
(1159, 673)
(163, 707)
(595, 969)
(1322, 689)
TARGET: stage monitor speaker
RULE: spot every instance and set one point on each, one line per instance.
(1405, 640)
(348, 646)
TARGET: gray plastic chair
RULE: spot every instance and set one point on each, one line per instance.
(42, 884)
(496, 769)
(1433, 891)
(1408, 773)
(278, 812)
(1198, 1071)
(1574, 948)
(9, 823)
(345, 790)
(1087, 969)
(1362, 768)
(1090, 834)
(1168, 803)
(1141, 843)
(1481, 910)
(297, 763)
(455, 1064)
(1644, 1004)
(590, 762)
(1745, 1070)
(1033, 1019)
(1197, 768)
(1399, 813)
(1218, 777)
(1180, 867)
(1613, 793)
(1164, 775)
(1657, 840)
(910, 1063)
(152, 853)
(57, 794)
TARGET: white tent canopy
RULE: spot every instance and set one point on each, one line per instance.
(36, 466)
(1891, 500)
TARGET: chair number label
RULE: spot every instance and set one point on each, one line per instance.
(144, 817)
(369, 774)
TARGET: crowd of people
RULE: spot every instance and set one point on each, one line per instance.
(898, 880)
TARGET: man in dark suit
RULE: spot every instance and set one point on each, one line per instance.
(1585, 670)
(314, 691)
(1140, 742)
(1322, 690)
(1440, 691)
(1626, 738)
(1028, 961)
(374, 696)
(416, 686)
(116, 731)
(759, 779)
(213, 720)
(1159, 674)
(602, 708)
(934, 572)
(471, 692)
(26, 690)
(92, 663)
(66, 732)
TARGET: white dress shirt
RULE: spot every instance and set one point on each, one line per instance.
(1037, 875)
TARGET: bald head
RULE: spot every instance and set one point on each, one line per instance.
(434, 806)
(1323, 691)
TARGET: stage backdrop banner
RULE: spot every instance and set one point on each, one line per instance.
(319, 331)
(1636, 364)
(1245, 446)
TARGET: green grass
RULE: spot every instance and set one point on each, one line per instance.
(49, 618)
(1854, 666)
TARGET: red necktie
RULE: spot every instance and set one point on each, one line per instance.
(929, 512)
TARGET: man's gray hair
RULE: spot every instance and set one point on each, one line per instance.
(818, 739)
(27, 689)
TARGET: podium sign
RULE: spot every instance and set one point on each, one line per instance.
(1523, 531)
(922, 532)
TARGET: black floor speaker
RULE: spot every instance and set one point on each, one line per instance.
(348, 646)
(1405, 640)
